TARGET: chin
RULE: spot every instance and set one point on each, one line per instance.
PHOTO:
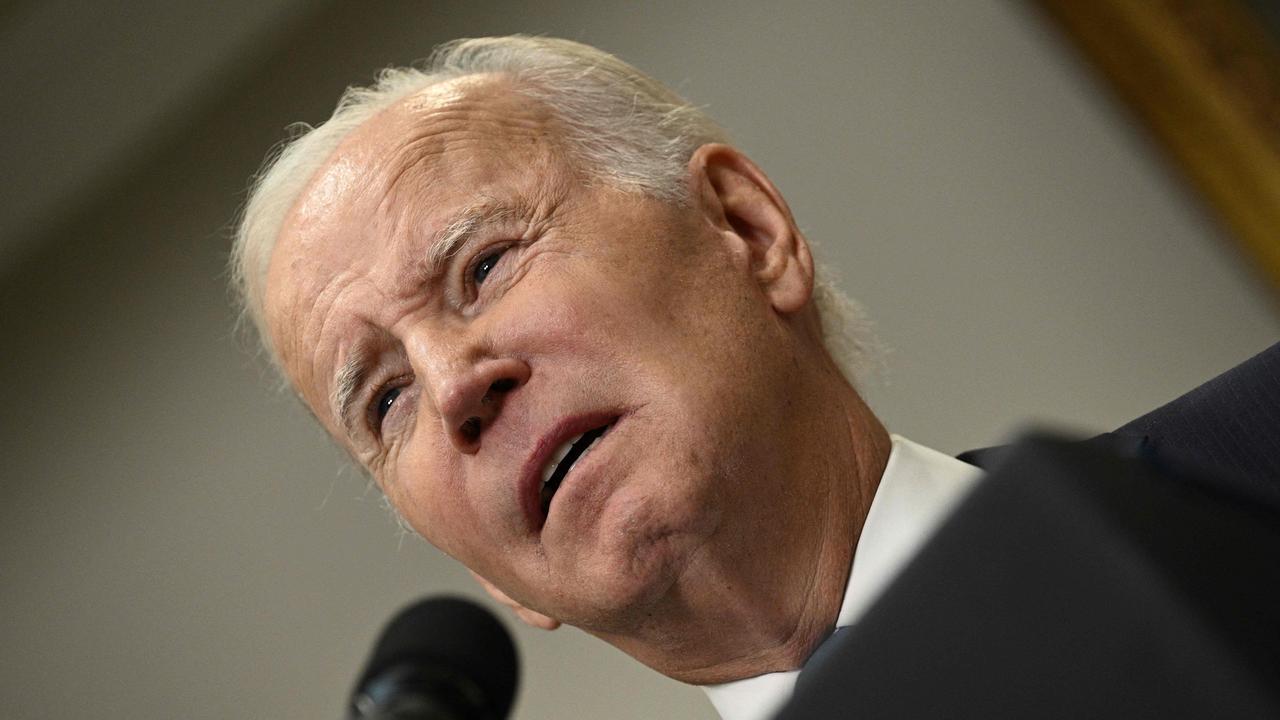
(617, 601)
(633, 569)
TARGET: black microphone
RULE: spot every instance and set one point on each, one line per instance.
(441, 658)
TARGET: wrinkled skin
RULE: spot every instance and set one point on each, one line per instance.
(738, 463)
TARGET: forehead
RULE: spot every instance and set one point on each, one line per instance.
(465, 136)
(398, 176)
(475, 125)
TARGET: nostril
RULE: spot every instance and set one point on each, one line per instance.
(486, 410)
(497, 389)
(470, 429)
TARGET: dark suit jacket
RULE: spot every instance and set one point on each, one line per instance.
(1228, 430)
(1129, 576)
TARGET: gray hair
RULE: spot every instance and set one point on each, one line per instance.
(621, 127)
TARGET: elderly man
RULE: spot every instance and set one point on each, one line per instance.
(581, 345)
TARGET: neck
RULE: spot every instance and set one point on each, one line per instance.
(761, 597)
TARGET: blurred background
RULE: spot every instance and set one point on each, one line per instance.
(178, 540)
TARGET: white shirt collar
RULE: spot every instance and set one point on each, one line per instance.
(917, 491)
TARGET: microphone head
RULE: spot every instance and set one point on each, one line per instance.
(440, 652)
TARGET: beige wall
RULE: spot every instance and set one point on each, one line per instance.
(177, 542)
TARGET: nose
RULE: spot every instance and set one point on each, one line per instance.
(470, 395)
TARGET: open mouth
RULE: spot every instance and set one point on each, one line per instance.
(562, 462)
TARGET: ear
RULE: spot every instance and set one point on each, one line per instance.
(536, 619)
(739, 201)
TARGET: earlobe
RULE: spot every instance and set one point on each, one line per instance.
(739, 200)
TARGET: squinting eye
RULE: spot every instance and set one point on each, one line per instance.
(385, 402)
(485, 266)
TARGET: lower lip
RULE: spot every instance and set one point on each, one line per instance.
(583, 466)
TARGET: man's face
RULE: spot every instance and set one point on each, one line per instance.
(556, 314)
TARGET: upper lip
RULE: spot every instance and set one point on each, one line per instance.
(566, 430)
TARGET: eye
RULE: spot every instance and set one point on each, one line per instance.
(385, 401)
(480, 271)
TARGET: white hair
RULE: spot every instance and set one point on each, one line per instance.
(621, 127)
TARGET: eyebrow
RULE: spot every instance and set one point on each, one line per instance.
(347, 382)
(461, 228)
(465, 225)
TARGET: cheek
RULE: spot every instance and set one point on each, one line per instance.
(561, 311)
(427, 490)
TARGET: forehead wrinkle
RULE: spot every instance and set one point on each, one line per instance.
(406, 211)
(483, 118)
(288, 316)
(314, 321)
(297, 314)
(409, 216)
(423, 165)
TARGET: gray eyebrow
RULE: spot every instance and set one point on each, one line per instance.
(463, 227)
(346, 385)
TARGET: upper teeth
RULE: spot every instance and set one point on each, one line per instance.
(556, 457)
(578, 448)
